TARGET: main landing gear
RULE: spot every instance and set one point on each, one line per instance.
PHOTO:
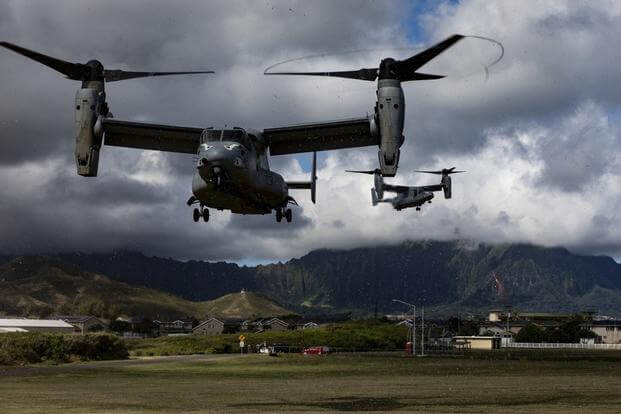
(287, 214)
(202, 212)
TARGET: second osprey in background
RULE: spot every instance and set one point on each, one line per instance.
(409, 196)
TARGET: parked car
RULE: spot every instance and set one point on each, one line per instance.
(316, 350)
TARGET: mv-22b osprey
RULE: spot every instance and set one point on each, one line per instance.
(409, 196)
(232, 171)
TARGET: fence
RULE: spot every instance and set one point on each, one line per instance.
(546, 345)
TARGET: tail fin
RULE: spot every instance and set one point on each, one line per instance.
(314, 178)
(307, 185)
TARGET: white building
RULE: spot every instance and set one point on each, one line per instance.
(35, 325)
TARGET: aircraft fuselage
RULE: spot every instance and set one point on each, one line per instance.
(413, 198)
(232, 173)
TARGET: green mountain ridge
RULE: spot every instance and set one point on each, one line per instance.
(41, 286)
(447, 275)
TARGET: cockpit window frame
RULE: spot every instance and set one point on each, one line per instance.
(237, 135)
(208, 135)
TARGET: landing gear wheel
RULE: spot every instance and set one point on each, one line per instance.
(197, 215)
(205, 215)
(288, 215)
(417, 208)
(279, 215)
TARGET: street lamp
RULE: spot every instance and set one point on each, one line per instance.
(413, 322)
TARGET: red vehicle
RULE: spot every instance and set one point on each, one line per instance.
(316, 350)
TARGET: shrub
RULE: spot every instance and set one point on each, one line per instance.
(223, 349)
(33, 347)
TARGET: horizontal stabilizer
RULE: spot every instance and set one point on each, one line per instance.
(307, 185)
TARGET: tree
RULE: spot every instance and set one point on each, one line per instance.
(570, 332)
(531, 333)
(120, 326)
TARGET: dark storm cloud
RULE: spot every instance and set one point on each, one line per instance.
(108, 192)
(537, 137)
(125, 207)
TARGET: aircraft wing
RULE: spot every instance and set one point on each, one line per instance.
(396, 188)
(433, 187)
(405, 188)
(322, 136)
(151, 136)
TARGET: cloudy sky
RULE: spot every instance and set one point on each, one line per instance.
(538, 136)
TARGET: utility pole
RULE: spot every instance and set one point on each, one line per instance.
(508, 334)
(413, 323)
(422, 331)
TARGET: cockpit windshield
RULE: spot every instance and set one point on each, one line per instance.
(234, 135)
(210, 135)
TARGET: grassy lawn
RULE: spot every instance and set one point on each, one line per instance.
(294, 383)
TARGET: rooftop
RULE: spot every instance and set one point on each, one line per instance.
(34, 323)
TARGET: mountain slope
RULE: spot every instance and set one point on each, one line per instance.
(41, 286)
(448, 275)
(244, 305)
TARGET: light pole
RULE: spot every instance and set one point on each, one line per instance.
(413, 322)
(422, 332)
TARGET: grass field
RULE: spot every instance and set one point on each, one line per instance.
(297, 384)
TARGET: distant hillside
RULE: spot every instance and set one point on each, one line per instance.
(41, 286)
(192, 280)
(449, 276)
(245, 305)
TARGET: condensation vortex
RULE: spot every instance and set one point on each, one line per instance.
(486, 67)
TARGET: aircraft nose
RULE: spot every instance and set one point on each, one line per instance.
(214, 154)
(202, 162)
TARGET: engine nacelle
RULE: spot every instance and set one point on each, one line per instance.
(446, 182)
(88, 143)
(390, 112)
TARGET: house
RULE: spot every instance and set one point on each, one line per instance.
(310, 325)
(608, 331)
(407, 323)
(84, 323)
(211, 326)
(495, 315)
(274, 324)
(177, 327)
(438, 335)
(479, 342)
(216, 326)
(35, 325)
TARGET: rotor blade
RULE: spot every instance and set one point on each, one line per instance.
(361, 74)
(440, 172)
(416, 76)
(376, 171)
(70, 70)
(413, 63)
(429, 172)
(117, 75)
